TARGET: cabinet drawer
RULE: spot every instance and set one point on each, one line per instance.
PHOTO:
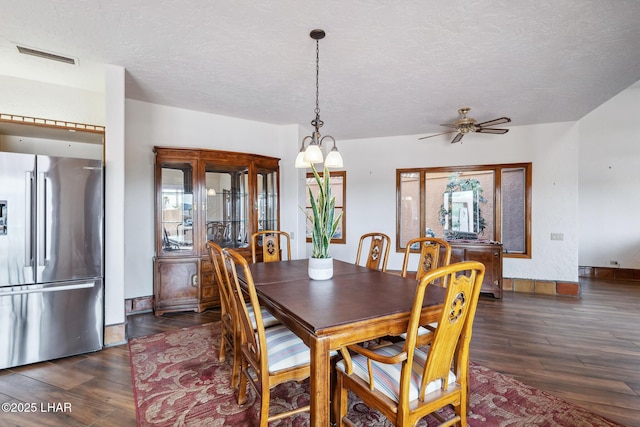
(207, 279)
(206, 266)
(208, 292)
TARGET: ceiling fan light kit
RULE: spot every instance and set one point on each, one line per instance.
(465, 125)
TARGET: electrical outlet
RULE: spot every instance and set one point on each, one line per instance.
(557, 236)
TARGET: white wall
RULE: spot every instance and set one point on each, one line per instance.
(37, 99)
(552, 148)
(51, 147)
(292, 188)
(150, 125)
(609, 182)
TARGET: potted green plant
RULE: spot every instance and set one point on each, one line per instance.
(324, 224)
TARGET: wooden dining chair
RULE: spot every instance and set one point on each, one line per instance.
(269, 243)
(378, 254)
(434, 253)
(431, 255)
(229, 312)
(406, 383)
(269, 356)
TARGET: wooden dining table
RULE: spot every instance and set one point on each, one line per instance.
(357, 304)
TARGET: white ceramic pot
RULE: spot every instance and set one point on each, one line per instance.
(320, 268)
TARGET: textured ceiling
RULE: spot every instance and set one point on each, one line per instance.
(396, 67)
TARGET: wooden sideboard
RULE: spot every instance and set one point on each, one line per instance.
(490, 254)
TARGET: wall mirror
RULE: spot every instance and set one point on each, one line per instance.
(461, 211)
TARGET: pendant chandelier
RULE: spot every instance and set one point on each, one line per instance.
(313, 151)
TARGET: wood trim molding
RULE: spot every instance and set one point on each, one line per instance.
(609, 273)
(50, 123)
(138, 305)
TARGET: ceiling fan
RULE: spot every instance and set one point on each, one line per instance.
(466, 124)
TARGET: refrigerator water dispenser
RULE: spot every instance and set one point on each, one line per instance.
(3, 217)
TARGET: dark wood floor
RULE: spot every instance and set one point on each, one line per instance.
(584, 350)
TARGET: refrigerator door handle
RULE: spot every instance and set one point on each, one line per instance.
(50, 289)
(28, 247)
(43, 249)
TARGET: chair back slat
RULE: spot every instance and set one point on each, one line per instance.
(434, 253)
(215, 254)
(378, 254)
(454, 330)
(268, 242)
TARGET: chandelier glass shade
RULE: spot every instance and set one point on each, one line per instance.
(311, 147)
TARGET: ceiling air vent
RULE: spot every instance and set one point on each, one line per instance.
(46, 55)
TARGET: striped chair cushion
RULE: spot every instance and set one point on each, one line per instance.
(267, 318)
(387, 377)
(285, 349)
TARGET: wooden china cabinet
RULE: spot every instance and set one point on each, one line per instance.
(206, 195)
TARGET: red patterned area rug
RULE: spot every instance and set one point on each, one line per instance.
(178, 381)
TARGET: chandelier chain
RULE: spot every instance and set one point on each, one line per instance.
(317, 110)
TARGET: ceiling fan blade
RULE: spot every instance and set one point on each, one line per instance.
(457, 138)
(498, 121)
(436, 134)
(492, 130)
(450, 125)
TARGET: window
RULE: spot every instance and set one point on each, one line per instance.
(338, 180)
(489, 202)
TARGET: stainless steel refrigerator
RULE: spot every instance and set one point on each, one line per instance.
(51, 257)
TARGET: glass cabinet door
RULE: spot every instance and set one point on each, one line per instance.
(177, 207)
(227, 205)
(267, 199)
